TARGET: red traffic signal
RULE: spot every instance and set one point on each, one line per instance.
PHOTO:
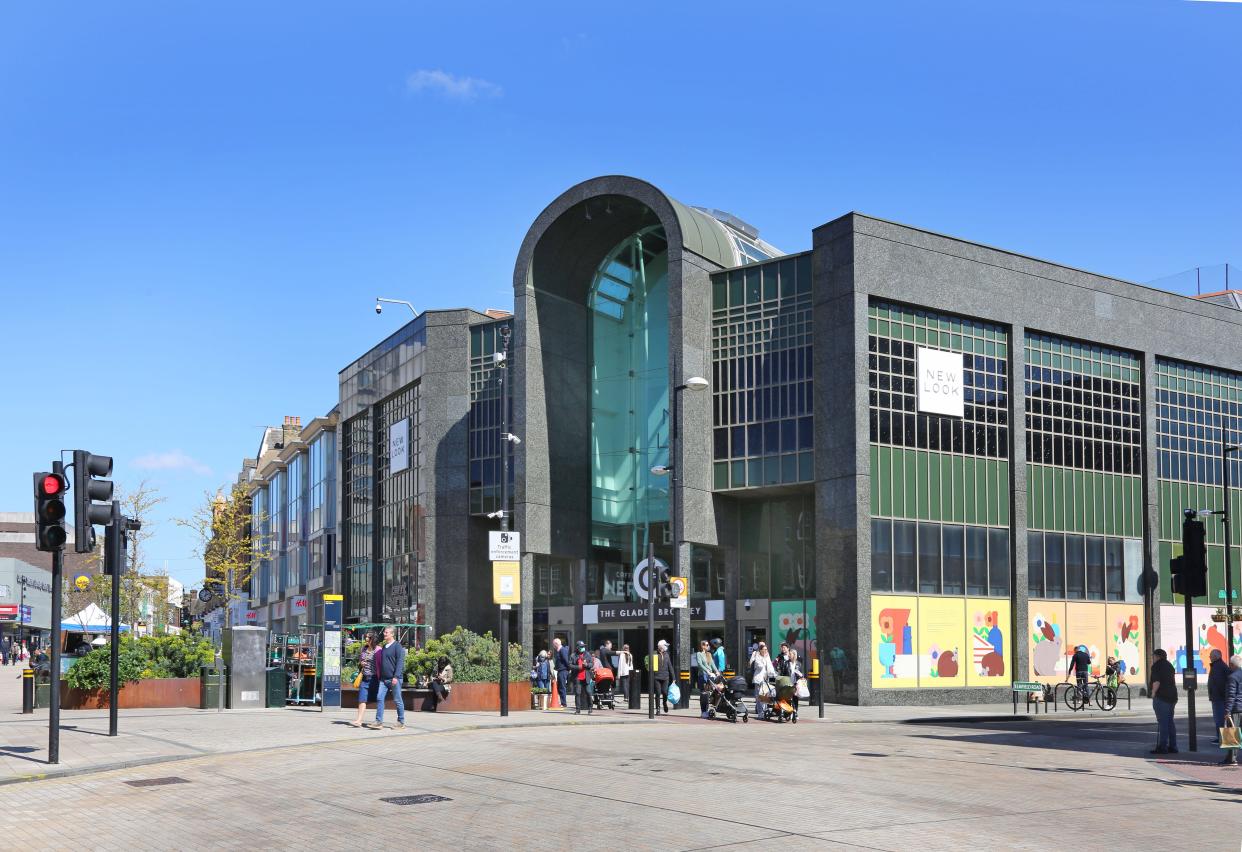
(54, 483)
(49, 491)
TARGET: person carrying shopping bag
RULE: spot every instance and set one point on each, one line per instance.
(762, 670)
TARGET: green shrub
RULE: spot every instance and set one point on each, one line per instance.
(142, 659)
(92, 670)
(475, 658)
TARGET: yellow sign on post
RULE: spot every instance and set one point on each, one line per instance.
(507, 582)
(681, 593)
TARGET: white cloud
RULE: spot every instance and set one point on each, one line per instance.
(451, 86)
(172, 460)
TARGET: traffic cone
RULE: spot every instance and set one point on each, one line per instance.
(553, 700)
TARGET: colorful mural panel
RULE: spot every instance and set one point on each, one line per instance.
(787, 626)
(1086, 624)
(1107, 629)
(1046, 620)
(1209, 635)
(989, 622)
(942, 649)
(1126, 642)
(893, 661)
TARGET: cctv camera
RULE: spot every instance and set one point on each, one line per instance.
(379, 309)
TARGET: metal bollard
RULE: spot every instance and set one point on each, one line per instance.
(684, 677)
(28, 690)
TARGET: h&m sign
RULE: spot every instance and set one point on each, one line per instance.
(940, 382)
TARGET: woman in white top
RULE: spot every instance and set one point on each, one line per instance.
(795, 674)
(625, 665)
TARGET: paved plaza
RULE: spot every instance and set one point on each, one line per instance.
(949, 778)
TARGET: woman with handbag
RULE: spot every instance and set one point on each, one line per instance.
(794, 667)
(366, 680)
(762, 669)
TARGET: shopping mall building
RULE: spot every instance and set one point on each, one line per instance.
(958, 459)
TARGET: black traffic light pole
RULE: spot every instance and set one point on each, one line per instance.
(113, 554)
(1225, 449)
(53, 715)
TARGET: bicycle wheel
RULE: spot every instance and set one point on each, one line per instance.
(1073, 698)
(1106, 697)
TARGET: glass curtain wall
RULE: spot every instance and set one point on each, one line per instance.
(356, 500)
(628, 299)
(484, 417)
(400, 508)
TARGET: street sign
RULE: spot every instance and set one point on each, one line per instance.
(1027, 686)
(504, 546)
(641, 578)
(681, 593)
(507, 582)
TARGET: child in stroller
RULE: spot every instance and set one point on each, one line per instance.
(726, 700)
(604, 697)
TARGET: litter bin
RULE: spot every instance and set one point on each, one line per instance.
(277, 687)
(209, 694)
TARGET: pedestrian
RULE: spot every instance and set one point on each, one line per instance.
(836, 659)
(1080, 666)
(1217, 684)
(368, 682)
(441, 684)
(1163, 692)
(391, 669)
(540, 672)
(606, 655)
(563, 663)
(718, 654)
(709, 676)
(625, 665)
(793, 670)
(1233, 703)
(584, 675)
(762, 669)
(661, 672)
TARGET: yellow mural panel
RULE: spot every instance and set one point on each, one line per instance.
(893, 623)
(942, 648)
(1047, 641)
(990, 658)
(1086, 624)
(1125, 641)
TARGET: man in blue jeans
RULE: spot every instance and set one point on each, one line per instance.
(390, 668)
(1163, 692)
(563, 662)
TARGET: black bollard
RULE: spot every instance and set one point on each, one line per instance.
(28, 690)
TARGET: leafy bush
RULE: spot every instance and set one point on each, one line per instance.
(142, 659)
(475, 658)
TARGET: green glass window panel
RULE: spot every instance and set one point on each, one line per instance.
(883, 482)
(1080, 501)
(969, 490)
(738, 474)
(920, 335)
(1118, 502)
(935, 494)
(720, 475)
(1057, 501)
(1034, 497)
(982, 497)
(772, 470)
(789, 467)
(804, 273)
(769, 282)
(720, 292)
(875, 480)
(921, 465)
(950, 509)
(910, 484)
(907, 332)
(736, 288)
(754, 472)
(1002, 470)
(873, 325)
(1216, 576)
(806, 466)
(1099, 522)
(753, 286)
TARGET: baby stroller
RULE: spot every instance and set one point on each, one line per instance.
(604, 683)
(726, 700)
(781, 708)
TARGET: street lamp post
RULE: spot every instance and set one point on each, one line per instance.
(694, 383)
(1225, 449)
(502, 365)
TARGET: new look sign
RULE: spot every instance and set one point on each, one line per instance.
(940, 382)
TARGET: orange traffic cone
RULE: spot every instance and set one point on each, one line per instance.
(553, 702)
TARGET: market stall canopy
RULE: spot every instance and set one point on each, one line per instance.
(90, 620)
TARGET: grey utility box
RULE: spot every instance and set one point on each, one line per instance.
(245, 654)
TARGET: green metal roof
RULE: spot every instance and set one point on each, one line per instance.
(704, 236)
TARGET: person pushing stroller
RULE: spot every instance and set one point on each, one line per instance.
(710, 676)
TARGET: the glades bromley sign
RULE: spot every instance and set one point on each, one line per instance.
(399, 446)
(940, 382)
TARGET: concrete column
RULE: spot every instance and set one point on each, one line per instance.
(1019, 662)
(1151, 504)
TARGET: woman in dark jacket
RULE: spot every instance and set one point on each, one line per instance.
(662, 675)
(441, 684)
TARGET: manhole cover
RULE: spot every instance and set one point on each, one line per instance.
(420, 799)
(157, 782)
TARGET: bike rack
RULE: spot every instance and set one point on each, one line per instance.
(1127, 687)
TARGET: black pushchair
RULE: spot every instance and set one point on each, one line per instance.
(726, 700)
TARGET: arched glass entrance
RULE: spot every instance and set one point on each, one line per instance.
(628, 299)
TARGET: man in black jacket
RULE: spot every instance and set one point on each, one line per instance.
(1233, 702)
(1080, 665)
(1163, 691)
(1218, 677)
(563, 662)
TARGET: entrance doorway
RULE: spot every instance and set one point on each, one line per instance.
(750, 634)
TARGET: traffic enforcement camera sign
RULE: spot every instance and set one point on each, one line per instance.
(507, 582)
(504, 546)
(681, 593)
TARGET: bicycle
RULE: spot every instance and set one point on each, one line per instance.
(1078, 697)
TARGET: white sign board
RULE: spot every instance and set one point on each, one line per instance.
(940, 382)
(332, 653)
(504, 546)
(642, 590)
(399, 446)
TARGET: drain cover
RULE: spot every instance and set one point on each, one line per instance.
(419, 799)
(157, 782)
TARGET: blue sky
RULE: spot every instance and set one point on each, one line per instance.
(199, 202)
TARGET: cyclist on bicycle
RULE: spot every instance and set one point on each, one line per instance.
(1080, 665)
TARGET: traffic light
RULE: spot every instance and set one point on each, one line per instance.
(1190, 569)
(86, 491)
(50, 491)
(664, 586)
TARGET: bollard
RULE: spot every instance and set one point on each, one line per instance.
(684, 676)
(28, 690)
